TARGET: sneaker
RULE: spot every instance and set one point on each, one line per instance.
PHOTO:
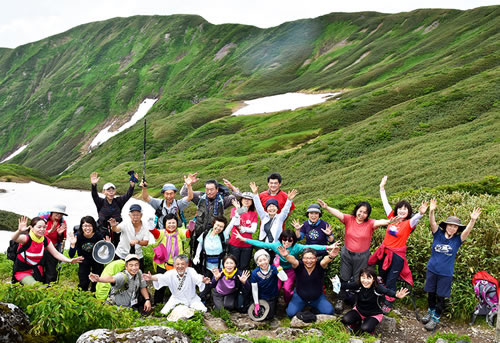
(425, 319)
(432, 324)
(339, 306)
(386, 308)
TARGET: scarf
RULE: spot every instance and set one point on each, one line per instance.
(175, 250)
(216, 204)
(228, 276)
(267, 230)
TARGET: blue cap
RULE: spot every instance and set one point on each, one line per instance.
(168, 187)
(135, 207)
(272, 202)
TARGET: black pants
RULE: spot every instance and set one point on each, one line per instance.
(84, 270)
(243, 256)
(224, 301)
(50, 267)
(353, 318)
(436, 302)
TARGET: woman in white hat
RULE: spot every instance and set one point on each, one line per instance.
(448, 237)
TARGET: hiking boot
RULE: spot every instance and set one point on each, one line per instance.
(425, 319)
(432, 324)
(339, 306)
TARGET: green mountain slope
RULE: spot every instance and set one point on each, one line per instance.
(420, 99)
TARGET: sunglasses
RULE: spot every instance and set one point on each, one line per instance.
(289, 239)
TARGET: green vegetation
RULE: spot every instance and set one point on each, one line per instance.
(18, 173)
(8, 220)
(449, 337)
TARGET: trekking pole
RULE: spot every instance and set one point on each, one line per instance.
(144, 155)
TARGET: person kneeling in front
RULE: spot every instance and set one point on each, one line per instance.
(309, 275)
(126, 285)
(182, 282)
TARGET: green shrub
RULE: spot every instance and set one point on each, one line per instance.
(64, 312)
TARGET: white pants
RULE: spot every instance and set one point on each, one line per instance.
(195, 303)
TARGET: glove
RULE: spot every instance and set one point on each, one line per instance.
(276, 261)
(256, 309)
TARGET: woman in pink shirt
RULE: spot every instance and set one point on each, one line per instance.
(356, 250)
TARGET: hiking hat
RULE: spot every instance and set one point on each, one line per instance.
(454, 221)
(103, 252)
(108, 186)
(272, 202)
(263, 311)
(135, 207)
(131, 257)
(314, 208)
(59, 209)
(168, 187)
(259, 253)
(247, 195)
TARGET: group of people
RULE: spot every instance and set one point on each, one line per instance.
(221, 251)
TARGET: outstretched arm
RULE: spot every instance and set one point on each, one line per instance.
(473, 217)
(144, 193)
(383, 196)
(432, 218)
(290, 258)
(421, 211)
(332, 210)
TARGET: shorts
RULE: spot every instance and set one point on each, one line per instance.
(439, 284)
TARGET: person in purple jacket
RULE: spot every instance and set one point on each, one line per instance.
(314, 229)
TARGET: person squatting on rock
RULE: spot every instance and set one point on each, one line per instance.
(127, 285)
(134, 235)
(448, 236)
(356, 250)
(367, 314)
(83, 244)
(309, 276)
(30, 253)
(110, 206)
(264, 281)
(182, 282)
(391, 254)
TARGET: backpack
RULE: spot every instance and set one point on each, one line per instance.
(12, 249)
(487, 293)
(179, 214)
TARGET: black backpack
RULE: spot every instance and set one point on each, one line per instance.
(12, 249)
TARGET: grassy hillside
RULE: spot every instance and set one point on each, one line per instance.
(420, 100)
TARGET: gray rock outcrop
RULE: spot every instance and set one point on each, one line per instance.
(141, 334)
(13, 323)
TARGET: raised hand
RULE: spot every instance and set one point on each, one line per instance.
(193, 177)
(292, 194)
(423, 207)
(217, 273)
(475, 214)
(23, 224)
(283, 252)
(254, 188)
(383, 182)
(322, 203)
(238, 235)
(61, 228)
(206, 280)
(328, 230)
(333, 250)
(147, 277)
(228, 184)
(112, 221)
(236, 204)
(72, 239)
(189, 180)
(94, 178)
(244, 276)
(143, 184)
(403, 292)
(136, 177)
(296, 224)
(433, 205)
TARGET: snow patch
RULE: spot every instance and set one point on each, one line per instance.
(14, 154)
(105, 134)
(282, 102)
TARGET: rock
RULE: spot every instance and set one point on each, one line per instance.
(141, 334)
(289, 333)
(297, 323)
(228, 338)
(440, 340)
(386, 326)
(259, 333)
(355, 340)
(12, 319)
(214, 323)
(243, 322)
(314, 333)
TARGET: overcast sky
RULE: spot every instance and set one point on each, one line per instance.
(24, 21)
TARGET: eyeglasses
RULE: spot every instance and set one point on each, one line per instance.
(87, 226)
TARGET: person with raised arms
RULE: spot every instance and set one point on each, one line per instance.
(309, 276)
(168, 204)
(314, 230)
(357, 238)
(391, 254)
(274, 192)
(448, 237)
(109, 206)
(32, 242)
(182, 282)
(56, 233)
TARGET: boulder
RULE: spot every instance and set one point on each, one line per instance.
(13, 323)
(297, 323)
(228, 338)
(141, 334)
(214, 323)
(289, 333)
(243, 322)
(386, 326)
